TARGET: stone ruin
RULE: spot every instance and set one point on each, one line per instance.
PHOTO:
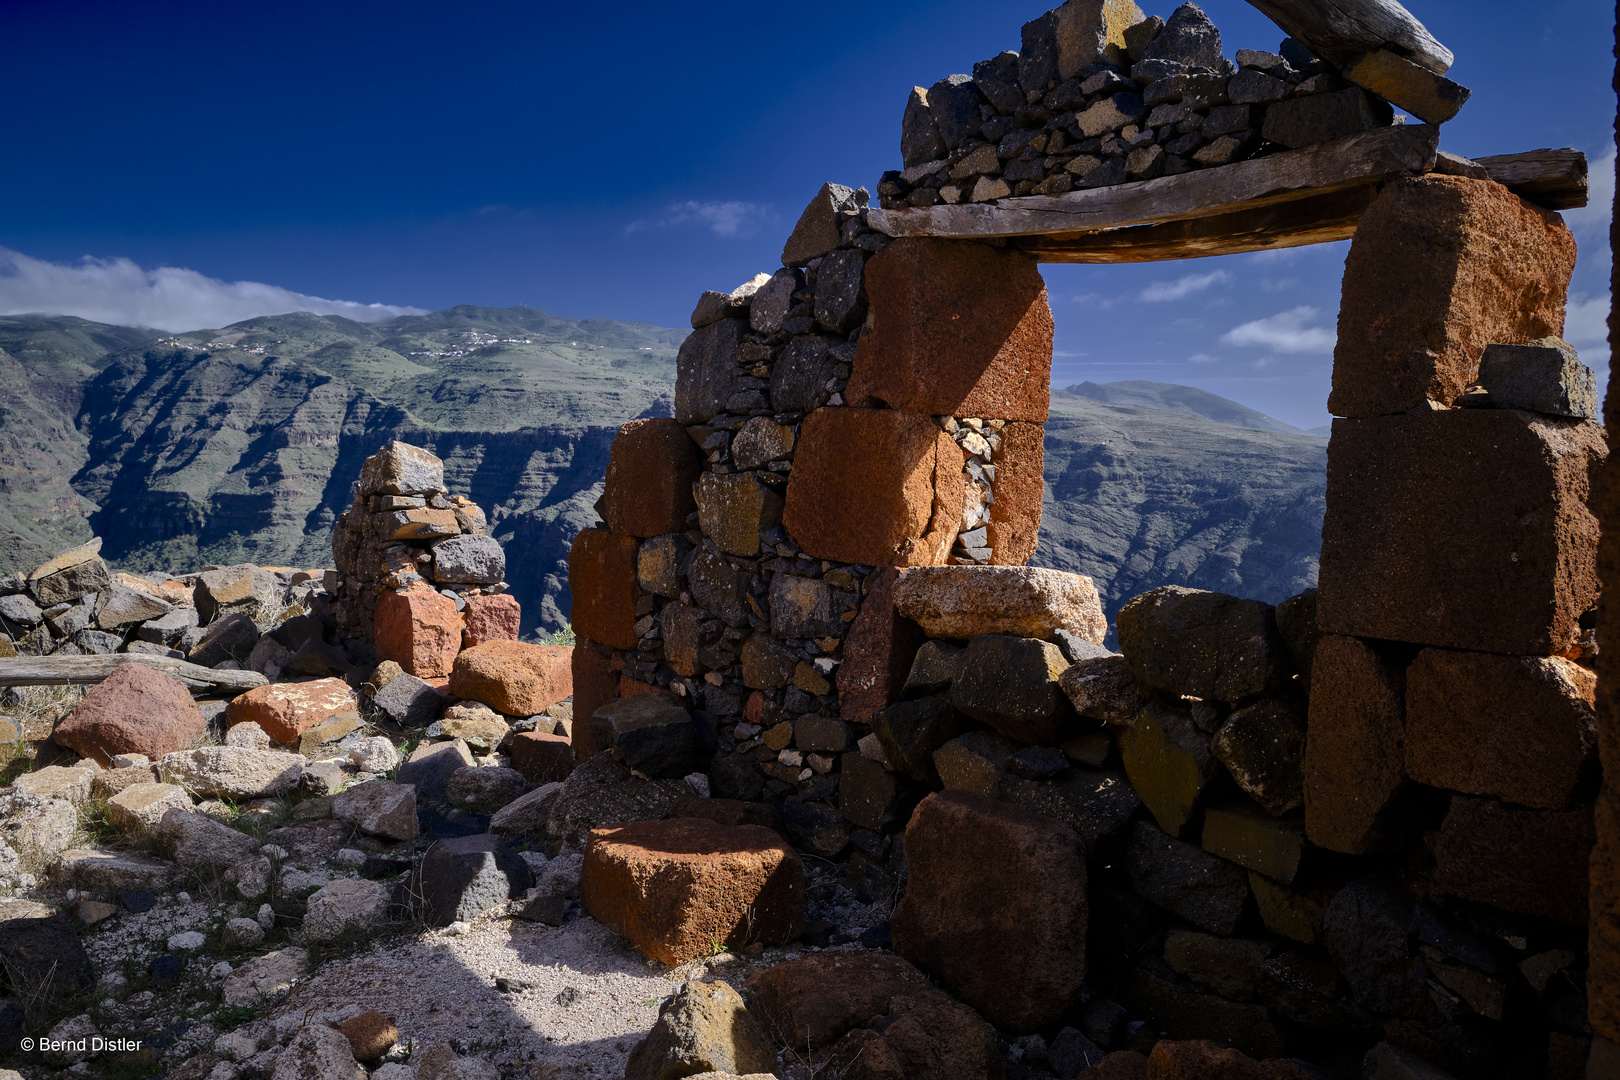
(1361, 819)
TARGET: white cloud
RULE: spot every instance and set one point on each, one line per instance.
(1285, 332)
(1184, 286)
(1202, 358)
(1586, 320)
(732, 218)
(169, 298)
(1096, 300)
(1590, 223)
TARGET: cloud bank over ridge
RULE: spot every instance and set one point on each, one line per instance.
(121, 292)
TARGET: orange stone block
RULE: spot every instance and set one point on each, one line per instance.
(490, 618)
(418, 629)
(602, 578)
(286, 710)
(960, 329)
(542, 758)
(1015, 516)
(676, 888)
(874, 486)
(1440, 267)
(878, 652)
(514, 677)
(595, 684)
(651, 469)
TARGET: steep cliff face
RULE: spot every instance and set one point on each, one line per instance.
(240, 445)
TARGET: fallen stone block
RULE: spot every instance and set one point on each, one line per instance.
(922, 1035)
(602, 791)
(814, 999)
(483, 789)
(119, 606)
(995, 906)
(1204, 644)
(874, 486)
(602, 576)
(409, 701)
(1464, 529)
(135, 710)
(542, 758)
(57, 782)
(230, 637)
(1517, 728)
(418, 629)
(1534, 862)
(652, 466)
(241, 590)
(113, 871)
(650, 733)
(233, 772)
(490, 618)
(286, 710)
(513, 677)
(1442, 266)
(676, 887)
(1263, 748)
(265, 979)
(555, 891)
(528, 813)
(1170, 764)
(74, 573)
(198, 842)
(462, 878)
(1354, 745)
(703, 1027)
(138, 808)
(957, 330)
(476, 724)
(429, 767)
(1207, 891)
(344, 908)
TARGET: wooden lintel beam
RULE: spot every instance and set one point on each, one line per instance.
(1555, 179)
(88, 670)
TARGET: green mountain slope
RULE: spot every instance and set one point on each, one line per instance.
(239, 444)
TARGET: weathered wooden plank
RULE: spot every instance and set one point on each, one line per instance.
(1320, 219)
(1339, 31)
(1352, 161)
(87, 670)
(1555, 179)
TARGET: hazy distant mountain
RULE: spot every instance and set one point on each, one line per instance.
(239, 444)
(1186, 399)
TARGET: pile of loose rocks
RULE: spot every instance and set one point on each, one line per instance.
(1103, 95)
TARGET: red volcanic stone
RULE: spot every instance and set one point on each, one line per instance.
(1533, 862)
(542, 757)
(1440, 267)
(418, 629)
(876, 487)
(514, 677)
(1015, 516)
(878, 652)
(286, 710)
(651, 468)
(595, 684)
(1466, 529)
(728, 812)
(995, 906)
(677, 887)
(957, 329)
(135, 710)
(1517, 728)
(1354, 745)
(812, 1000)
(490, 618)
(602, 577)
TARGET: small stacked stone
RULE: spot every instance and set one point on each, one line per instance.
(405, 530)
(1103, 95)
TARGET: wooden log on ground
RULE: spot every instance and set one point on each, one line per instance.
(1341, 31)
(88, 670)
(1555, 179)
(1320, 219)
(1351, 162)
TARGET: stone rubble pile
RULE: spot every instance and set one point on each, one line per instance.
(1101, 94)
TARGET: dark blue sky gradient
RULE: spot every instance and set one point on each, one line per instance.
(503, 153)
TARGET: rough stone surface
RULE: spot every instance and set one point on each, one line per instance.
(602, 576)
(595, 684)
(233, 772)
(706, 375)
(197, 842)
(911, 731)
(370, 1035)
(231, 637)
(734, 509)
(263, 978)
(878, 651)
(418, 629)
(345, 907)
(1440, 267)
(1263, 748)
(651, 468)
(465, 877)
(475, 560)
(703, 1027)
(995, 906)
(1542, 377)
(1169, 762)
(118, 606)
(812, 1000)
(1354, 745)
(1015, 517)
(528, 813)
(429, 767)
(957, 329)
(1466, 529)
(1103, 688)
(819, 227)
(542, 758)
(401, 469)
(675, 887)
(1367, 929)
(1187, 881)
(1011, 683)
(1203, 644)
(138, 808)
(1256, 840)
(490, 618)
(1528, 861)
(284, 711)
(800, 376)
(601, 791)
(966, 601)
(408, 701)
(513, 677)
(872, 797)
(135, 710)
(380, 808)
(874, 486)
(1317, 118)
(1517, 728)
(650, 733)
(43, 959)
(241, 590)
(761, 441)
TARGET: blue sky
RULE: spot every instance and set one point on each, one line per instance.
(615, 160)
